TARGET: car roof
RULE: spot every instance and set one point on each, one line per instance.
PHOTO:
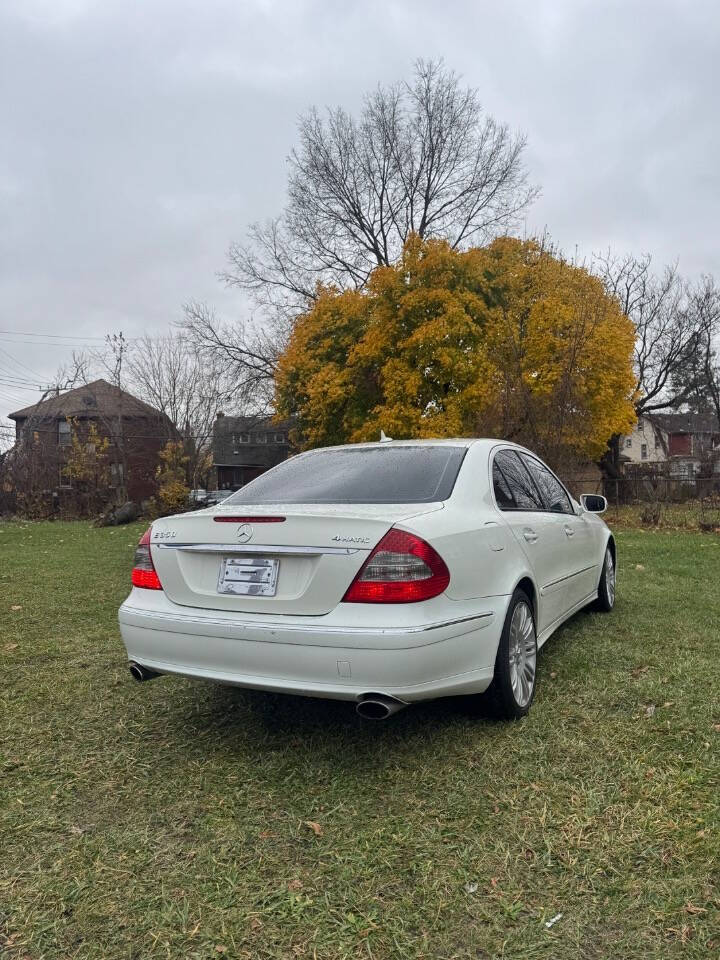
(488, 442)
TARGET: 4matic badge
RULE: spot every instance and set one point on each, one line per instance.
(340, 539)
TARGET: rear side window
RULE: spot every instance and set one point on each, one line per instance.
(553, 492)
(412, 474)
(514, 488)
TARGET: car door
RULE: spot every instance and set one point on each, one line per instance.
(534, 528)
(572, 534)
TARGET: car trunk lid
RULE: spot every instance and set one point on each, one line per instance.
(281, 559)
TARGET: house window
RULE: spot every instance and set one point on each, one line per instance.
(243, 438)
(279, 438)
(64, 433)
(643, 451)
(261, 438)
(628, 442)
(657, 442)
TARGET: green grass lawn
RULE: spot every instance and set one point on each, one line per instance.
(178, 819)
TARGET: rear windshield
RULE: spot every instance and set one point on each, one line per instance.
(359, 475)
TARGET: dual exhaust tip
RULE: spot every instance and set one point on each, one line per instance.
(370, 706)
(140, 673)
(378, 706)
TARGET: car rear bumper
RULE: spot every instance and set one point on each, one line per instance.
(321, 657)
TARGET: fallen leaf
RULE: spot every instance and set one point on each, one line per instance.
(10, 646)
(691, 908)
(255, 923)
(16, 606)
(315, 827)
(220, 949)
(639, 566)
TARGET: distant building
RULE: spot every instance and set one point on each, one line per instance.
(137, 432)
(245, 447)
(648, 443)
(676, 444)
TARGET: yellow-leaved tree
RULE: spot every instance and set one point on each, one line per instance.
(507, 340)
(172, 490)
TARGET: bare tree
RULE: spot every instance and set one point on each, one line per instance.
(665, 326)
(189, 388)
(242, 356)
(422, 157)
(699, 378)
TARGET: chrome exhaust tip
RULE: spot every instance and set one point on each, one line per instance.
(378, 706)
(140, 673)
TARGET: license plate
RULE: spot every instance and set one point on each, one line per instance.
(248, 576)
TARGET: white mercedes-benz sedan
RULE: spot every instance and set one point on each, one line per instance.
(381, 573)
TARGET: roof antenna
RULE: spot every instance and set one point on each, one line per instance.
(383, 438)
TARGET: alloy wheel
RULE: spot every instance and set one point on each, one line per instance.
(523, 654)
(610, 577)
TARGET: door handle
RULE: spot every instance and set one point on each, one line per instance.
(530, 535)
(569, 532)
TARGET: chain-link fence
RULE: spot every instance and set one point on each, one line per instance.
(686, 502)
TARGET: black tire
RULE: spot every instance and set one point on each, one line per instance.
(606, 588)
(507, 693)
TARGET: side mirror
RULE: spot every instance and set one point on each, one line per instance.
(594, 503)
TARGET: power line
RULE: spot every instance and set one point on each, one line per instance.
(50, 336)
(18, 363)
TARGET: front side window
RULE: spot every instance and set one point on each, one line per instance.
(643, 451)
(628, 442)
(553, 493)
(64, 431)
(517, 490)
(402, 474)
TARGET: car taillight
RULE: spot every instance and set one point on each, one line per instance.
(143, 573)
(402, 568)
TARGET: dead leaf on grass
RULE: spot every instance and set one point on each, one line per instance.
(16, 606)
(315, 827)
(10, 646)
(639, 566)
(691, 908)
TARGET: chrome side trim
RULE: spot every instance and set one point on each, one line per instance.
(245, 548)
(554, 583)
(275, 627)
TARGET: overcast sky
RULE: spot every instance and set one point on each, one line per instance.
(137, 139)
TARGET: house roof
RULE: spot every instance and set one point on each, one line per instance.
(96, 399)
(694, 423)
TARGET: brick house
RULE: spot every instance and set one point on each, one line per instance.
(245, 447)
(136, 431)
